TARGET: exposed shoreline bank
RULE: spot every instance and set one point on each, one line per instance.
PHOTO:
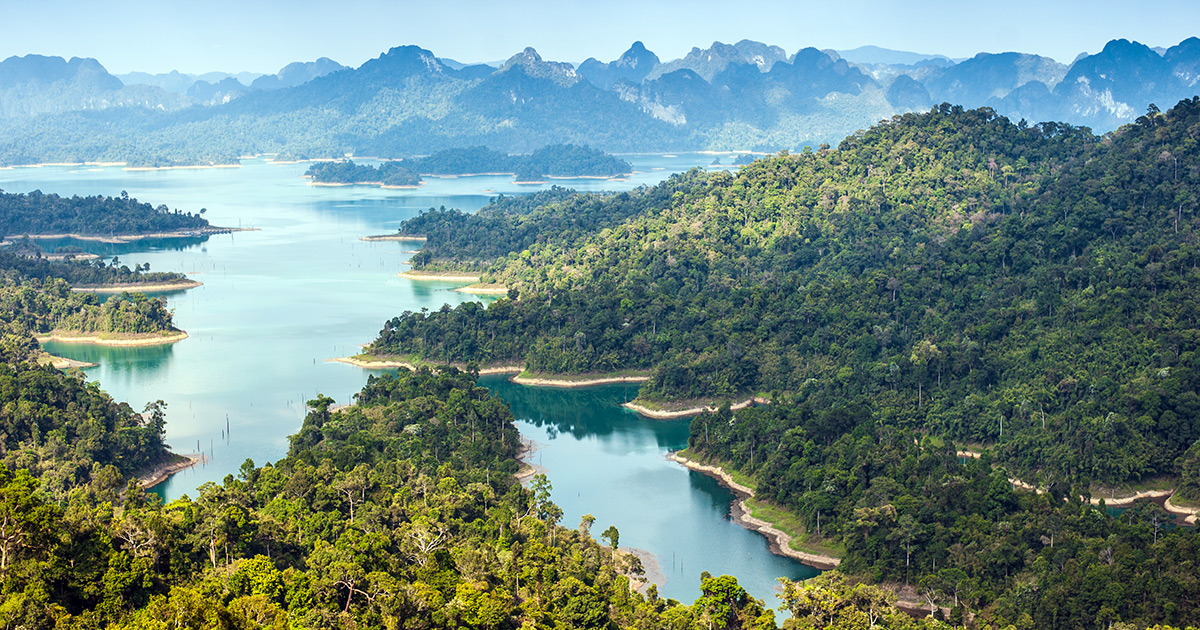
(550, 381)
(665, 414)
(140, 287)
(780, 540)
(127, 238)
(164, 471)
(128, 339)
(63, 363)
(392, 237)
(445, 276)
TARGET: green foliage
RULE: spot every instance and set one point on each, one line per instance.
(38, 213)
(386, 174)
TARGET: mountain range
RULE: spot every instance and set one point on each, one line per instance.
(743, 96)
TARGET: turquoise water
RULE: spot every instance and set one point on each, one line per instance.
(278, 303)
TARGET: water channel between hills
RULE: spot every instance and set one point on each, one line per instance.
(279, 302)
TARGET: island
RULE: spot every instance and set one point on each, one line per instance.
(556, 161)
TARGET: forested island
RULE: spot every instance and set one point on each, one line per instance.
(37, 213)
(1026, 292)
(563, 160)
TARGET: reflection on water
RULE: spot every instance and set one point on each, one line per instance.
(604, 460)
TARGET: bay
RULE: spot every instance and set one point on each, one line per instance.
(280, 302)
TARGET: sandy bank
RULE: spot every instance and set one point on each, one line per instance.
(142, 287)
(382, 363)
(658, 414)
(160, 474)
(780, 540)
(442, 276)
(484, 289)
(63, 363)
(127, 339)
(393, 237)
(126, 238)
(525, 458)
(186, 167)
(1175, 508)
(538, 381)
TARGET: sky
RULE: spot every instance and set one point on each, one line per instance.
(263, 36)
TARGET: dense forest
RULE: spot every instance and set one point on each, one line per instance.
(1027, 287)
(39, 213)
(562, 160)
(386, 174)
(29, 264)
(399, 512)
(908, 510)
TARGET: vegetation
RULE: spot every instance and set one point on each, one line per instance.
(38, 213)
(30, 265)
(1028, 287)
(399, 512)
(386, 174)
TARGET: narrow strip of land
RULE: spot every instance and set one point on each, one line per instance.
(139, 287)
(113, 339)
(163, 471)
(392, 237)
(125, 238)
(550, 381)
(442, 276)
(668, 414)
(63, 363)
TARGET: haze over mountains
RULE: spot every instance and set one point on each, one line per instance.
(744, 96)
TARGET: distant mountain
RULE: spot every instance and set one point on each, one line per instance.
(708, 62)
(296, 73)
(877, 55)
(35, 84)
(1115, 85)
(748, 96)
(217, 93)
(631, 67)
(173, 81)
(986, 78)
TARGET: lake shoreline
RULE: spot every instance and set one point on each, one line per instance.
(529, 380)
(63, 363)
(118, 239)
(164, 471)
(123, 340)
(779, 540)
(392, 237)
(671, 414)
(139, 287)
(444, 276)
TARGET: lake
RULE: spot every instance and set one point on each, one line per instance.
(280, 302)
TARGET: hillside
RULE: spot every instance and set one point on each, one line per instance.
(952, 270)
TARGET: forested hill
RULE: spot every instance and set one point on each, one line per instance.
(39, 213)
(951, 270)
(399, 512)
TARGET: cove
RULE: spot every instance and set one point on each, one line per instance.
(278, 303)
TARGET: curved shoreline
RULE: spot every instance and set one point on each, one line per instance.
(484, 289)
(63, 363)
(149, 339)
(780, 540)
(392, 237)
(534, 381)
(163, 472)
(436, 276)
(140, 287)
(126, 238)
(691, 411)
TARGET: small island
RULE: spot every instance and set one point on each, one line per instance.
(554, 161)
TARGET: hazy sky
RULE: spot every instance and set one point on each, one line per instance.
(262, 36)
